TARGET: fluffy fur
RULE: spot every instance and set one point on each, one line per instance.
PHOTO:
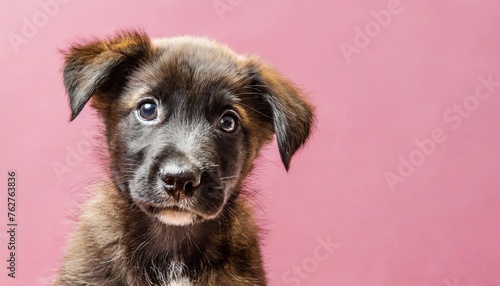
(150, 225)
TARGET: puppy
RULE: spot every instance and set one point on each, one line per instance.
(184, 120)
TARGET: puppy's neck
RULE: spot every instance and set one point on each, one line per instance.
(149, 239)
(138, 249)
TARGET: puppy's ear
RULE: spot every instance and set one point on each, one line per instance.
(90, 65)
(292, 115)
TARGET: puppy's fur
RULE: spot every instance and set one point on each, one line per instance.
(174, 211)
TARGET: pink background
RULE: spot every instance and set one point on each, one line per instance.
(438, 225)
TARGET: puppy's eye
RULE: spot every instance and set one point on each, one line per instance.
(228, 122)
(148, 111)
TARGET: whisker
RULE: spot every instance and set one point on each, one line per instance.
(229, 177)
(263, 114)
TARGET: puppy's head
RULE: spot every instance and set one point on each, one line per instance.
(185, 118)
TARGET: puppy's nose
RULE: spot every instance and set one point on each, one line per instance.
(180, 179)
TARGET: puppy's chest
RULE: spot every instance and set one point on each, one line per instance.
(172, 275)
(180, 282)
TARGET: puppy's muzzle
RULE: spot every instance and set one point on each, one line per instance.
(180, 178)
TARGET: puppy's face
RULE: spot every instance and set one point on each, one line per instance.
(185, 130)
(185, 118)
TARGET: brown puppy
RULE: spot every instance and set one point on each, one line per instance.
(185, 118)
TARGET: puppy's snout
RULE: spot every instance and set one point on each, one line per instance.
(180, 179)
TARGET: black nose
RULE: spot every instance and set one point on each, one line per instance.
(180, 179)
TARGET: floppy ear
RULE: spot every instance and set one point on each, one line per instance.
(90, 65)
(292, 115)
